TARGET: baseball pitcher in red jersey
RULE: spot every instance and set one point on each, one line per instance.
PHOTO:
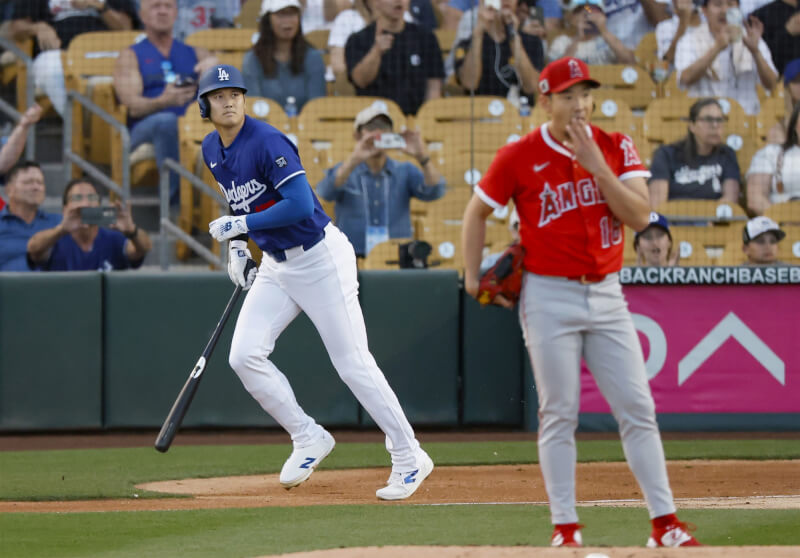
(574, 186)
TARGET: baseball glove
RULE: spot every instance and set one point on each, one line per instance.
(504, 277)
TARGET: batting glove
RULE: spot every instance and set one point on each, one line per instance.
(241, 267)
(227, 227)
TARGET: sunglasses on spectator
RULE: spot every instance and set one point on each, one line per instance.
(712, 119)
(81, 197)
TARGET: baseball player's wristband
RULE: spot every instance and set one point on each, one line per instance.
(240, 237)
(132, 235)
(424, 161)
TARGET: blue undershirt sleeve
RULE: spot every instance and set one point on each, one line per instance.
(297, 204)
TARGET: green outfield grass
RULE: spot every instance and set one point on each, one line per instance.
(242, 532)
(112, 473)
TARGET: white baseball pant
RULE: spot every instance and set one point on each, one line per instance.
(323, 283)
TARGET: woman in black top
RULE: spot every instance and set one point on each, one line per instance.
(701, 165)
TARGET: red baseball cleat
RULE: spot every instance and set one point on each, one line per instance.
(567, 534)
(669, 531)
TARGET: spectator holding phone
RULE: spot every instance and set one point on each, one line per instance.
(156, 79)
(282, 64)
(591, 40)
(21, 218)
(725, 56)
(371, 190)
(394, 59)
(499, 59)
(78, 245)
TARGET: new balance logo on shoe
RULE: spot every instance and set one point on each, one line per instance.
(411, 477)
(212, 165)
(303, 461)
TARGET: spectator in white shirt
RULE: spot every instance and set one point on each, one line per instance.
(721, 59)
(670, 31)
(346, 23)
(592, 41)
(630, 20)
(774, 174)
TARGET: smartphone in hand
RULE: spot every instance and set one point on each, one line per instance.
(390, 141)
(101, 216)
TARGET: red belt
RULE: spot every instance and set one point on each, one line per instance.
(588, 278)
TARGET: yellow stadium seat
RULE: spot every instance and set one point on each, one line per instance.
(330, 119)
(626, 83)
(789, 247)
(249, 15)
(773, 110)
(647, 52)
(88, 69)
(704, 245)
(318, 39)
(711, 210)
(223, 40)
(786, 213)
(384, 255)
(463, 169)
(445, 38)
(442, 119)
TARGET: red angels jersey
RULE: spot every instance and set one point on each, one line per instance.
(566, 226)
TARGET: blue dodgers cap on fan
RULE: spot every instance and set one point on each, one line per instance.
(791, 71)
(656, 220)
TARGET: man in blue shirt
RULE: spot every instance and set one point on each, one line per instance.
(372, 191)
(156, 80)
(308, 266)
(22, 218)
(73, 245)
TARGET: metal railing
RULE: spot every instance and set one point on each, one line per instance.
(11, 111)
(168, 228)
(70, 157)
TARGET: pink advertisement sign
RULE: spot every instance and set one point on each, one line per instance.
(715, 349)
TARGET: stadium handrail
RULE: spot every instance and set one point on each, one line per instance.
(167, 227)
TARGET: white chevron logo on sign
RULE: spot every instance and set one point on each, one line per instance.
(731, 326)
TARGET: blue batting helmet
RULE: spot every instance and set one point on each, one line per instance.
(217, 77)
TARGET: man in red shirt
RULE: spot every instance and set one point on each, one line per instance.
(574, 185)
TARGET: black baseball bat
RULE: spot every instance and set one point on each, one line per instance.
(181, 405)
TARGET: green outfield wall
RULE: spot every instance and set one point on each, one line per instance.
(102, 351)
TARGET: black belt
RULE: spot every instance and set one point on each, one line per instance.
(280, 255)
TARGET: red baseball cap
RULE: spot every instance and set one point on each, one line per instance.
(562, 74)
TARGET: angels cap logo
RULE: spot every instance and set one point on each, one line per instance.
(544, 86)
(574, 69)
(222, 75)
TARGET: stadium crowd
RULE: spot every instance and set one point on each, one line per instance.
(410, 53)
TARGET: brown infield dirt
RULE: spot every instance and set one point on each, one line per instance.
(696, 484)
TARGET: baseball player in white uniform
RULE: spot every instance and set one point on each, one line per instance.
(308, 266)
(573, 185)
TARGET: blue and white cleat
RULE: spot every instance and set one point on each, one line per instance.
(304, 460)
(402, 485)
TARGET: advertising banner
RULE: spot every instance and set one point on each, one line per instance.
(720, 349)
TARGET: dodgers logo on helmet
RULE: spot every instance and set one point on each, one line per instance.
(217, 77)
